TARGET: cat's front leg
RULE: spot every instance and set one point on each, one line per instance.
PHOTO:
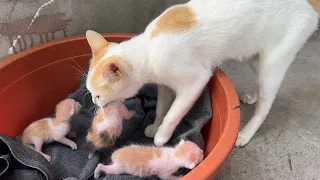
(185, 98)
(165, 98)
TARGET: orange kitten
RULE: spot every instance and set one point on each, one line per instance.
(52, 129)
(107, 126)
(146, 161)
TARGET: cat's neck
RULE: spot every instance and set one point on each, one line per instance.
(136, 50)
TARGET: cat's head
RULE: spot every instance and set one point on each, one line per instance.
(189, 154)
(110, 73)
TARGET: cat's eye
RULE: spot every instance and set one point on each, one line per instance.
(97, 96)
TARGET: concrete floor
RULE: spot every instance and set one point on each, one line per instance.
(292, 126)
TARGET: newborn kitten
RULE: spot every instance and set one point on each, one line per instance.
(107, 126)
(52, 129)
(146, 161)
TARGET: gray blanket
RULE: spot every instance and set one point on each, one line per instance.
(18, 162)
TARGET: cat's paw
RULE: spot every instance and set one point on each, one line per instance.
(73, 145)
(97, 171)
(151, 130)
(243, 138)
(248, 99)
(161, 138)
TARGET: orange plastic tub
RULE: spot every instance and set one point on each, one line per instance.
(34, 81)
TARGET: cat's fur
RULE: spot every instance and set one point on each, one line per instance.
(146, 161)
(52, 129)
(106, 126)
(180, 49)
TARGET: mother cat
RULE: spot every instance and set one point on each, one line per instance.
(180, 48)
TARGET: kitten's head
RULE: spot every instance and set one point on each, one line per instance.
(109, 77)
(67, 108)
(189, 154)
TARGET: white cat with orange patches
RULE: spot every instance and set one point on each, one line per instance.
(146, 161)
(107, 126)
(180, 49)
(52, 129)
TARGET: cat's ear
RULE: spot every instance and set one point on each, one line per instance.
(96, 41)
(112, 71)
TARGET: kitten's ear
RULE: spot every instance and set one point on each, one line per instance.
(96, 41)
(112, 71)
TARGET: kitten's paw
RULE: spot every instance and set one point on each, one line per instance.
(248, 99)
(91, 154)
(48, 158)
(73, 146)
(151, 130)
(243, 138)
(97, 171)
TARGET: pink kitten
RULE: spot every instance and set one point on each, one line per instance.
(146, 161)
(107, 126)
(52, 129)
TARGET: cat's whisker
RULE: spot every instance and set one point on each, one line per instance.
(77, 76)
(85, 95)
(79, 71)
(94, 106)
(83, 72)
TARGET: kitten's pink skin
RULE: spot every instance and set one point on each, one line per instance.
(38, 147)
(145, 161)
(91, 154)
(128, 114)
(108, 120)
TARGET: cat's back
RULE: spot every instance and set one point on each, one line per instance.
(210, 28)
(39, 129)
(137, 159)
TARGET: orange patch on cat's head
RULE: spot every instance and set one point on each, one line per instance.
(178, 19)
(109, 73)
(189, 152)
(99, 47)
